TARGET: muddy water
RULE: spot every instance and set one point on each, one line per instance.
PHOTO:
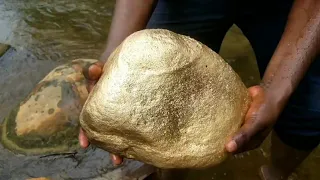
(47, 33)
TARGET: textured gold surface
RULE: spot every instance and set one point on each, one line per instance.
(167, 100)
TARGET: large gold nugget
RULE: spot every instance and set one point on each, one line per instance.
(167, 100)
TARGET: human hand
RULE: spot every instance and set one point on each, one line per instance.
(261, 116)
(92, 74)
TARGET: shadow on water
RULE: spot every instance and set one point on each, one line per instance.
(45, 34)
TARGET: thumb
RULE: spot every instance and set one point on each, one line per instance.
(117, 160)
(92, 72)
(251, 126)
(84, 142)
(253, 132)
(239, 139)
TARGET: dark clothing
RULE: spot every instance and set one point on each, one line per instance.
(263, 23)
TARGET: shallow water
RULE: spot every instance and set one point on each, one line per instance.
(47, 33)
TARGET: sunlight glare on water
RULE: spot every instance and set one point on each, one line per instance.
(58, 29)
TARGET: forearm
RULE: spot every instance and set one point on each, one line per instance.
(129, 16)
(297, 48)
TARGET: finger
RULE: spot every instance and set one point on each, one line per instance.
(116, 160)
(254, 132)
(254, 91)
(90, 85)
(239, 140)
(93, 71)
(83, 140)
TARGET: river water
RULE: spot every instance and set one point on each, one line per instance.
(45, 34)
(48, 33)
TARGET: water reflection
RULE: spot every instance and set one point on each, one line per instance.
(58, 30)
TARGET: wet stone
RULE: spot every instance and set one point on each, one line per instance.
(3, 48)
(46, 121)
(51, 111)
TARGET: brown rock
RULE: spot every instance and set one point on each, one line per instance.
(56, 100)
(40, 178)
(47, 120)
(3, 48)
(167, 100)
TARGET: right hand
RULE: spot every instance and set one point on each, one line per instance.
(92, 74)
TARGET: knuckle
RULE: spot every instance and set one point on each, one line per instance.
(242, 138)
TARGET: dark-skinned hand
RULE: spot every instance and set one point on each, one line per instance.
(259, 120)
(92, 74)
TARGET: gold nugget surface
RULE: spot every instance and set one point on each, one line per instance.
(167, 100)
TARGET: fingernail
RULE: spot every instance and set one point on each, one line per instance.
(231, 146)
(80, 140)
(114, 158)
(81, 144)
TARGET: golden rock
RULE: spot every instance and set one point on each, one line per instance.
(167, 100)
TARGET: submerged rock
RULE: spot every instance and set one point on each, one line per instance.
(40, 178)
(47, 121)
(3, 48)
(167, 100)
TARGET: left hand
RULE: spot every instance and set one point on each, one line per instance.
(259, 120)
(92, 75)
